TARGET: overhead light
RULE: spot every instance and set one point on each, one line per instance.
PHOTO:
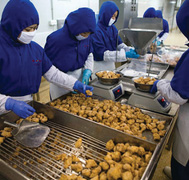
(172, 2)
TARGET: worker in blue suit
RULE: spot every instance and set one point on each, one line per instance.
(105, 40)
(23, 62)
(70, 48)
(152, 13)
(164, 34)
(177, 91)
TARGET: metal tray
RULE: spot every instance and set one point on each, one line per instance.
(146, 133)
(94, 136)
(157, 69)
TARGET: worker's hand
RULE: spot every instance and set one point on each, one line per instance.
(154, 87)
(132, 54)
(86, 75)
(82, 87)
(154, 40)
(20, 108)
(158, 43)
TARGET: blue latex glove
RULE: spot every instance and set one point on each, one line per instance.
(154, 87)
(132, 54)
(158, 43)
(82, 87)
(154, 41)
(20, 108)
(86, 75)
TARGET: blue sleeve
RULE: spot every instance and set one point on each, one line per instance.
(119, 40)
(46, 64)
(165, 28)
(179, 82)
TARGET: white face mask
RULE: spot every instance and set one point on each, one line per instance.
(111, 22)
(26, 37)
(80, 37)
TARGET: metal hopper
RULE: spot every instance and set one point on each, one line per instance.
(141, 32)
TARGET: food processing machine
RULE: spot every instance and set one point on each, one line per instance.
(141, 32)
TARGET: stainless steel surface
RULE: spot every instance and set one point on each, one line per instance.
(149, 24)
(29, 134)
(150, 65)
(107, 81)
(141, 32)
(142, 87)
(152, 50)
(141, 68)
(25, 163)
(127, 10)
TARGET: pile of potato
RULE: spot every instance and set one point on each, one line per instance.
(123, 161)
(113, 114)
(36, 117)
(108, 74)
(145, 80)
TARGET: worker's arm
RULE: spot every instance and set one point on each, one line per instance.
(59, 78)
(166, 90)
(88, 69)
(20, 108)
(3, 100)
(102, 53)
(123, 46)
(89, 63)
(163, 37)
(114, 56)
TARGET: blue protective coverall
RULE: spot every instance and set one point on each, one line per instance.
(105, 40)
(163, 35)
(152, 13)
(66, 52)
(177, 91)
(23, 65)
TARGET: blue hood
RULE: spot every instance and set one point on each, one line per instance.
(17, 15)
(180, 82)
(81, 20)
(107, 10)
(159, 14)
(182, 18)
(150, 13)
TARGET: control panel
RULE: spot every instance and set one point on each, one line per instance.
(118, 91)
(163, 101)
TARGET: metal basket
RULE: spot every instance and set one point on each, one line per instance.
(142, 87)
(106, 81)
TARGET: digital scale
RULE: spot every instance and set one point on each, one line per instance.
(155, 102)
(112, 92)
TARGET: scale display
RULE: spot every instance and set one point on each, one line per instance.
(117, 92)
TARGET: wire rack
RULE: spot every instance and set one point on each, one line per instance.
(41, 163)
